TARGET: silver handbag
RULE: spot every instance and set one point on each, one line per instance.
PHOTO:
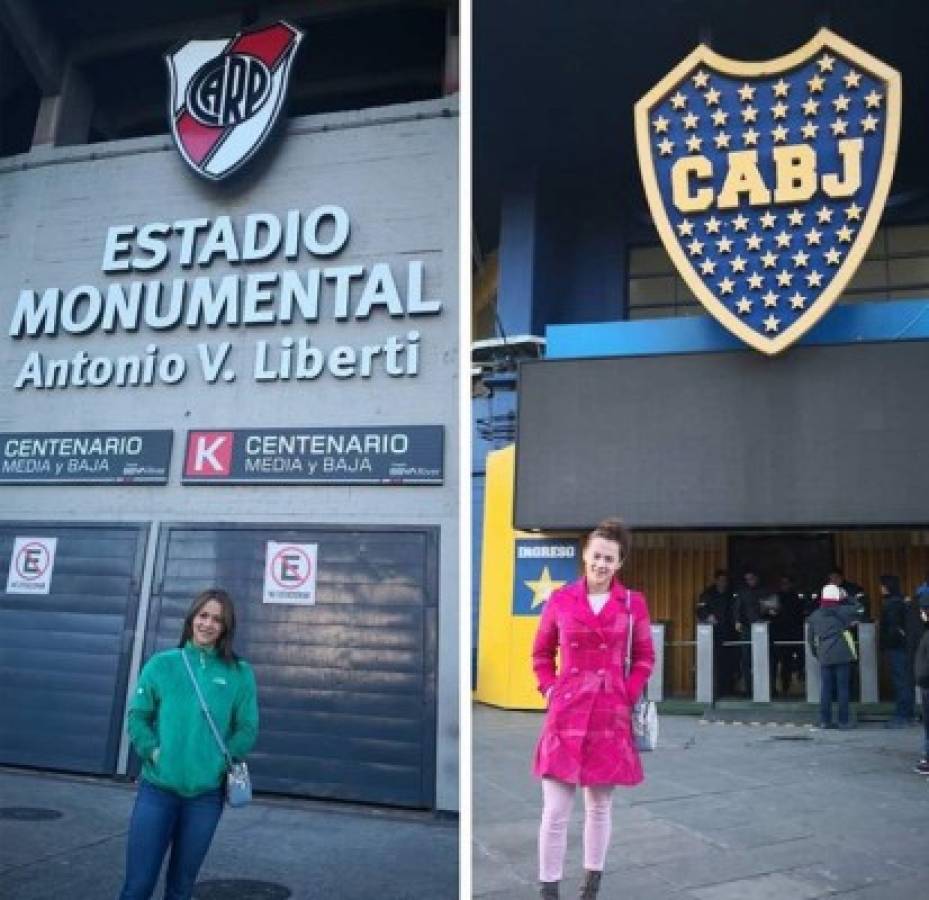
(645, 712)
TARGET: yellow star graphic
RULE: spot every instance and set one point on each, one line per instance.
(810, 107)
(853, 211)
(543, 587)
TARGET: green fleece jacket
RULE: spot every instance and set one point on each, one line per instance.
(165, 716)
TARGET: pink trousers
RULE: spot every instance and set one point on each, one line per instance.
(558, 798)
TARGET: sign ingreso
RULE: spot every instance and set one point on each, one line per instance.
(226, 96)
(767, 180)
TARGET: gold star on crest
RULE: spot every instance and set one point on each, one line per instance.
(780, 88)
(701, 80)
(816, 84)
(740, 223)
(852, 80)
(797, 301)
(661, 125)
(873, 100)
(771, 323)
(746, 93)
(543, 587)
(779, 110)
(810, 107)
(726, 286)
(826, 62)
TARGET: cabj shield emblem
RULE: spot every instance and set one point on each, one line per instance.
(767, 180)
(226, 96)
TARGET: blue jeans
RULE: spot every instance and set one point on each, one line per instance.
(904, 691)
(162, 818)
(834, 680)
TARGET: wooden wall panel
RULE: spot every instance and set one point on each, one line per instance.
(672, 569)
(866, 555)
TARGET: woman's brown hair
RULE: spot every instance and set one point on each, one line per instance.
(612, 530)
(224, 643)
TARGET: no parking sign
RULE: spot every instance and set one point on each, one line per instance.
(31, 565)
(290, 573)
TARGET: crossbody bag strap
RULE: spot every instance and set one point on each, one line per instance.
(628, 667)
(205, 708)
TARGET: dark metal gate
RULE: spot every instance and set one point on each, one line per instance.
(64, 656)
(347, 687)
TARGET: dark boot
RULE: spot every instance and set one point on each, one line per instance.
(548, 890)
(590, 887)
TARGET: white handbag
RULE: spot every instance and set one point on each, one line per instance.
(645, 712)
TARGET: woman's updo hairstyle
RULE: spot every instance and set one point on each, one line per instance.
(613, 530)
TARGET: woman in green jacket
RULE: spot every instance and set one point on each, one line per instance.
(180, 797)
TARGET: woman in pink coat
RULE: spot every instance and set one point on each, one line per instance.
(587, 737)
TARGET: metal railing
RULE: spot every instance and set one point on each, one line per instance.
(705, 691)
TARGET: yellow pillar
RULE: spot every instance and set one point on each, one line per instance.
(507, 628)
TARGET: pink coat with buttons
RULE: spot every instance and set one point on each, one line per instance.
(587, 734)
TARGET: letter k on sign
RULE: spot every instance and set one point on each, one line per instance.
(209, 454)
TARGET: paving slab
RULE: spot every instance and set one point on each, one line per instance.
(727, 812)
(312, 850)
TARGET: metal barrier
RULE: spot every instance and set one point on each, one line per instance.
(761, 670)
(655, 689)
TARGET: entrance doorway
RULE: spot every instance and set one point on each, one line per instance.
(805, 556)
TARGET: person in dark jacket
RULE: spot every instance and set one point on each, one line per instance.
(893, 644)
(921, 675)
(787, 630)
(831, 643)
(748, 610)
(715, 607)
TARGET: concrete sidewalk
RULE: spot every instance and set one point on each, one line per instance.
(302, 850)
(727, 812)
